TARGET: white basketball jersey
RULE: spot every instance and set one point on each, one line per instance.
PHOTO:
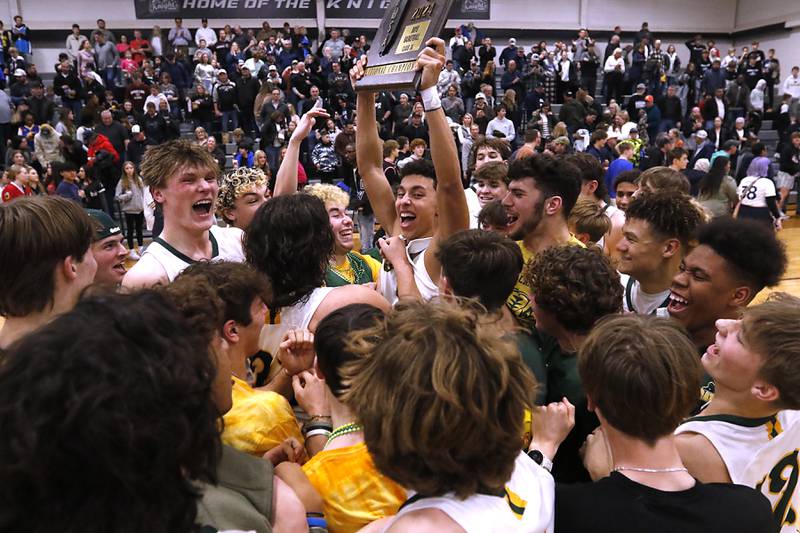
(774, 470)
(526, 507)
(739, 440)
(416, 251)
(226, 245)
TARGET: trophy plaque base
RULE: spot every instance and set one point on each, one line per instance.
(404, 30)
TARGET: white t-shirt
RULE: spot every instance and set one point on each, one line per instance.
(531, 490)
(635, 300)
(754, 191)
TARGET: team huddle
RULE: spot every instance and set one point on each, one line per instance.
(520, 355)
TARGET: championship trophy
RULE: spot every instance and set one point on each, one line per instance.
(404, 30)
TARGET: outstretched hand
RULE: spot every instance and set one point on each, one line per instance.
(431, 61)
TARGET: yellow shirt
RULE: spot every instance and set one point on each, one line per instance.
(345, 269)
(258, 420)
(354, 492)
(519, 302)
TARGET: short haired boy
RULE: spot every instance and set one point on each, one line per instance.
(655, 238)
(756, 375)
(593, 187)
(650, 359)
(18, 183)
(625, 186)
(719, 278)
(46, 261)
(182, 177)
(542, 191)
(589, 223)
(430, 204)
(258, 421)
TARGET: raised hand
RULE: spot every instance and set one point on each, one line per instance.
(431, 62)
(357, 72)
(307, 122)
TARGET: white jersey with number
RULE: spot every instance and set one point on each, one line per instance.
(737, 439)
(754, 191)
(775, 470)
(527, 505)
(226, 245)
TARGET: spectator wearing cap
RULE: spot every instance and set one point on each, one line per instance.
(274, 78)
(107, 248)
(225, 101)
(636, 102)
(137, 145)
(20, 89)
(470, 84)
(509, 52)
(713, 78)
(589, 62)
(704, 147)
(247, 88)
(653, 114)
(572, 112)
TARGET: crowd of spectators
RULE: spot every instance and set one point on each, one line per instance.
(114, 94)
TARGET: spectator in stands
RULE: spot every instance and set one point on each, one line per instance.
(179, 38)
(107, 59)
(614, 75)
(75, 42)
(204, 33)
(486, 53)
(447, 78)
(225, 101)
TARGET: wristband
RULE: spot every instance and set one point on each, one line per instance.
(430, 99)
(314, 432)
(310, 427)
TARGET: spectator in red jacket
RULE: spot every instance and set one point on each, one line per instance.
(103, 162)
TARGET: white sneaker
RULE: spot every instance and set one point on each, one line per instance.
(133, 255)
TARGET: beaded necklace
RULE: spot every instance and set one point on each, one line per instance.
(352, 427)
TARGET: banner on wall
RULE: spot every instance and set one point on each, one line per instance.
(288, 9)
